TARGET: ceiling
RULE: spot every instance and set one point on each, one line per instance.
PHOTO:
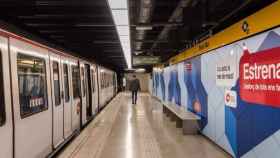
(179, 24)
(84, 27)
(158, 28)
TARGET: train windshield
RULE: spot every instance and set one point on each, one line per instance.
(32, 84)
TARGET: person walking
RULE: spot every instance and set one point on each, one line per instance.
(134, 88)
(124, 84)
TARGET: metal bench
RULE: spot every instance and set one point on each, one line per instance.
(184, 119)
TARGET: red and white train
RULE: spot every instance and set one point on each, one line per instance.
(46, 96)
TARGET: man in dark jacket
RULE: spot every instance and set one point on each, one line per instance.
(134, 87)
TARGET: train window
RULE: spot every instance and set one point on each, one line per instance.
(83, 81)
(76, 81)
(105, 80)
(66, 83)
(56, 83)
(105, 83)
(32, 85)
(108, 80)
(2, 99)
(93, 81)
(102, 80)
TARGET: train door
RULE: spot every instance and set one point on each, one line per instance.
(6, 127)
(85, 91)
(66, 98)
(94, 90)
(100, 80)
(88, 88)
(32, 102)
(75, 95)
(56, 71)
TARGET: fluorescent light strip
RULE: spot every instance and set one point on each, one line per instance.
(123, 30)
(120, 15)
(116, 4)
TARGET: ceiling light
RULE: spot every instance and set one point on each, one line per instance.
(118, 4)
(147, 2)
(138, 52)
(144, 28)
(120, 15)
(140, 70)
(123, 30)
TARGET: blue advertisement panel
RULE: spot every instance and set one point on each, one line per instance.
(174, 89)
(235, 91)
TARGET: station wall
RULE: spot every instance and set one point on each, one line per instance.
(235, 90)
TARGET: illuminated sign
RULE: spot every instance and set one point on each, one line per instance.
(260, 77)
(145, 60)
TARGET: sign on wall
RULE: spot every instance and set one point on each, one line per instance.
(230, 98)
(226, 73)
(260, 77)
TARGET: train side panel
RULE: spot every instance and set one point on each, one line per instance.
(106, 85)
(75, 91)
(57, 103)
(6, 127)
(84, 93)
(94, 89)
(67, 95)
(31, 100)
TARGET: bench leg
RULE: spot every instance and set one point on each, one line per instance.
(190, 127)
(168, 113)
(164, 110)
(173, 117)
(179, 123)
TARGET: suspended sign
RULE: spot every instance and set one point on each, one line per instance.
(145, 60)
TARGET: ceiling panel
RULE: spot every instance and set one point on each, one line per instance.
(84, 27)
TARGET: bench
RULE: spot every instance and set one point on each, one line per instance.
(184, 119)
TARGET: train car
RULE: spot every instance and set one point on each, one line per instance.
(106, 86)
(88, 73)
(47, 96)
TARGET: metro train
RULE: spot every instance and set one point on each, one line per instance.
(47, 96)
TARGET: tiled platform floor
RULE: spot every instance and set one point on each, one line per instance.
(123, 130)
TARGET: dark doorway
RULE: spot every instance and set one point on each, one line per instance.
(88, 91)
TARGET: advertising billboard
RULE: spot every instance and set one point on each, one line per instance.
(235, 91)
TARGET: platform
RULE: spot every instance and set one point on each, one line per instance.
(123, 130)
